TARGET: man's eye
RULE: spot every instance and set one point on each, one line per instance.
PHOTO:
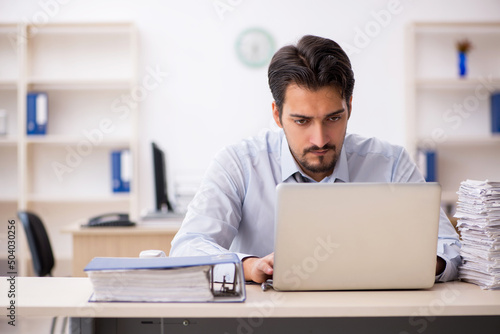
(300, 121)
(334, 118)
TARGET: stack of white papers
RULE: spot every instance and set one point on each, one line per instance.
(478, 213)
(155, 285)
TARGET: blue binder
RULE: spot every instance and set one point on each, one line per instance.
(427, 161)
(120, 171)
(129, 263)
(495, 113)
(226, 291)
(37, 113)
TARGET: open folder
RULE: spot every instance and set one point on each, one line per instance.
(165, 279)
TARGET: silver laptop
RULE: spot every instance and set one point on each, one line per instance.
(356, 236)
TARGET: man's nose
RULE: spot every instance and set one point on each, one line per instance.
(319, 137)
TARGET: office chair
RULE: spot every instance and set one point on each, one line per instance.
(39, 243)
(41, 250)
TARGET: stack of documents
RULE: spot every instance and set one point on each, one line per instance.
(163, 279)
(478, 213)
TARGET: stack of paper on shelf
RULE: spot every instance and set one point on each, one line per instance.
(164, 279)
(478, 210)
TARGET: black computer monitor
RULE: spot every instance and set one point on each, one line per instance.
(160, 179)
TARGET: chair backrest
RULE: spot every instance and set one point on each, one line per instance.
(39, 243)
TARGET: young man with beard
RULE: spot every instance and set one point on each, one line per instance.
(233, 211)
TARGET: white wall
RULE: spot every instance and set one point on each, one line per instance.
(209, 99)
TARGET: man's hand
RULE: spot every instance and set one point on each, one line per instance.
(440, 265)
(258, 269)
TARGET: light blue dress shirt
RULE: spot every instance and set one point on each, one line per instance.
(233, 209)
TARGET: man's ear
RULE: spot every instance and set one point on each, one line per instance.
(276, 115)
(350, 107)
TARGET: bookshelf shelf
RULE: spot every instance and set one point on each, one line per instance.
(458, 84)
(79, 84)
(9, 84)
(84, 28)
(57, 140)
(9, 140)
(453, 28)
(464, 141)
(87, 199)
(8, 199)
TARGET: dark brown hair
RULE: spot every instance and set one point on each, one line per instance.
(314, 63)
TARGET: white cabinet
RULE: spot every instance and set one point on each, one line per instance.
(89, 72)
(449, 114)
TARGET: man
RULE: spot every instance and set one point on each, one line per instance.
(312, 85)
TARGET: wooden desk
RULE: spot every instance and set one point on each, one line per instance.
(446, 308)
(118, 241)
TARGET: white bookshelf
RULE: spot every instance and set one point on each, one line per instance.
(9, 75)
(85, 69)
(449, 114)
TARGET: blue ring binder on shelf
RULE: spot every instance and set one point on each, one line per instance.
(121, 171)
(495, 113)
(37, 113)
(427, 163)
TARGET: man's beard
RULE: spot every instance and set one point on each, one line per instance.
(323, 166)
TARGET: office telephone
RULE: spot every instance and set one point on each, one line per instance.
(110, 219)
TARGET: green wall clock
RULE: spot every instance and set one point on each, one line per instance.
(255, 47)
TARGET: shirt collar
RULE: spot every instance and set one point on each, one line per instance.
(289, 166)
(341, 172)
(288, 163)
